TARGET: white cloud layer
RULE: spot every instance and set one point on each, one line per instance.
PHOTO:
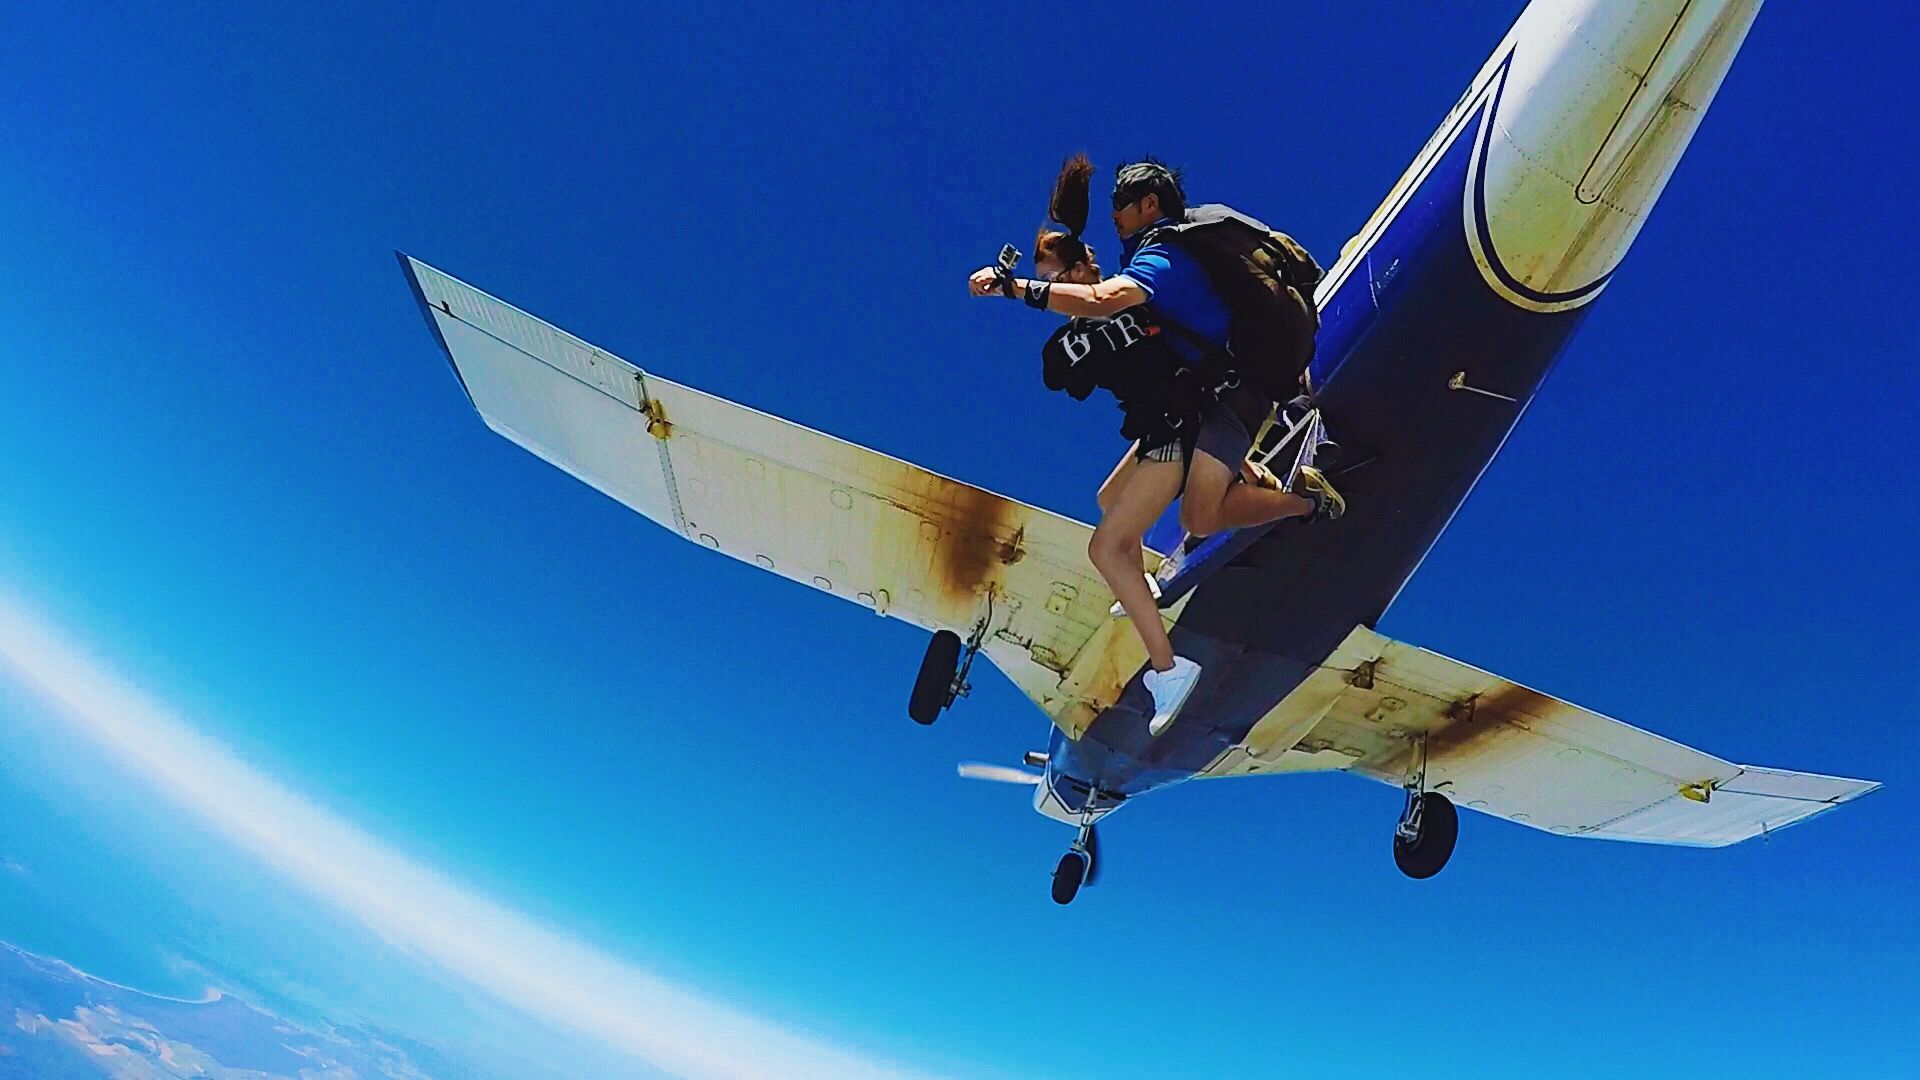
(553, 977)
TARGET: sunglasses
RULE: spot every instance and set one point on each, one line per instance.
(1122, 200)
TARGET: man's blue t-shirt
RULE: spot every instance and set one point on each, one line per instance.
(1178, 288)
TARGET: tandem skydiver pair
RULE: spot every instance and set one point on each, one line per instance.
(1209, 321)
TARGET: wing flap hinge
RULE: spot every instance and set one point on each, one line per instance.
(658, 425)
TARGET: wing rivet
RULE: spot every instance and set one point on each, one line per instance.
(1061, 598)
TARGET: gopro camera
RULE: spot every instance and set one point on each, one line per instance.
(1009, 257)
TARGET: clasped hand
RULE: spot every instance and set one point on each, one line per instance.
(984, 282)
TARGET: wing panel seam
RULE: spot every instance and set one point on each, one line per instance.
(666, 461)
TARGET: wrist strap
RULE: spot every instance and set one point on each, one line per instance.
(1037, 294)
(1004, 278)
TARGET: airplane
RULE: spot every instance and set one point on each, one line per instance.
(1440, 320)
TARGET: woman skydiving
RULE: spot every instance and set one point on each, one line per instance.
(1122, 336)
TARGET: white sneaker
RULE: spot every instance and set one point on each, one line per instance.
(1153, 586)
(1170, 689)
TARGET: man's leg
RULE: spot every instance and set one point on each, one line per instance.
(1253, 472)
(1214, 501)
(1149, 488)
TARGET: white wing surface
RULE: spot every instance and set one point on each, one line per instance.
(1503, 749)
(821, 511)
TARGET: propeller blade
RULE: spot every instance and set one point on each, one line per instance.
(1004, 774)
(1093, 854)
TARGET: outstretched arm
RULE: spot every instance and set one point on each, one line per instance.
(1109, 297)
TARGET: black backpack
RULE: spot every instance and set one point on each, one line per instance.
(1266, 279)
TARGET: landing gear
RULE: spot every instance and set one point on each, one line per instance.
(1437, 826)
(933, 688)
(1069, 876)
(1423, 841)
(943, 670)
(1079, 866)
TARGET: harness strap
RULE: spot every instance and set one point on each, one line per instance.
(1215, 366)
(1218, 375)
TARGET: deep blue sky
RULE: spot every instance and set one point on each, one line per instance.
(232, 458)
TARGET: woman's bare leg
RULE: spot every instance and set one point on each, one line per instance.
(1117, 478)
(1148, 490)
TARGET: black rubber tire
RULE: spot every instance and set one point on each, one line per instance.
(1439, 828)
(935, 681)
(1068, 877)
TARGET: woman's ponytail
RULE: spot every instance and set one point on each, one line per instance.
(1068, 207)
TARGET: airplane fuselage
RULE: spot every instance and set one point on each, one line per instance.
(1440, 322)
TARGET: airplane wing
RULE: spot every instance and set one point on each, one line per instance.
(1503, 749)
(865, 527)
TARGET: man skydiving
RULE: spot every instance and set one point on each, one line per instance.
(1199, 443)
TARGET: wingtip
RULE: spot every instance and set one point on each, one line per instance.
(407, 267)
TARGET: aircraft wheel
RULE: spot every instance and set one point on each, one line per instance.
(1068, 876)
(934, 687)
(1439, 828)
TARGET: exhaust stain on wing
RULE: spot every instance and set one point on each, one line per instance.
(979, 535)
(1478, 725)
